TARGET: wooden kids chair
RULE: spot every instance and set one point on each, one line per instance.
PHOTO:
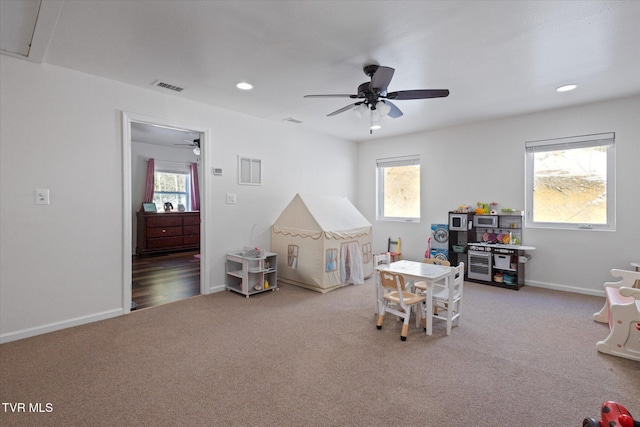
(398, 301)
(395, 255)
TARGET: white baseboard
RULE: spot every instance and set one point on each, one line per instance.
(217, 288)
(56, 326)
(39, 330)
(554, 286)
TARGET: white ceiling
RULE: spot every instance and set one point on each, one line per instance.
(497, 58)
(160, 135)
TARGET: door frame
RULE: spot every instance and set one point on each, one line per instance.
(205, 180)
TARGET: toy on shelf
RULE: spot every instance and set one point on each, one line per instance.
(613, 414)
(482, 208)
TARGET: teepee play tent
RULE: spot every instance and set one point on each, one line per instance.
(323, 243)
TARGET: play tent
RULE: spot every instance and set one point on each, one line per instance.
(322, 242)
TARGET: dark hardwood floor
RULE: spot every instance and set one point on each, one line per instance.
(163, 278)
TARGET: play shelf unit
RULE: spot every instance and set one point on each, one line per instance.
(250, 273)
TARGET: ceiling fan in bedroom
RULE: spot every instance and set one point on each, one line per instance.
(194, 143)
(372, 96)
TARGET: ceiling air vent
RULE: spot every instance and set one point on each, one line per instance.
(168, 86)
(292, 120)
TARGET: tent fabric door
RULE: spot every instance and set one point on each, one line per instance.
(351, 271)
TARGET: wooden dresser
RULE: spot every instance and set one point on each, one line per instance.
(167, 232)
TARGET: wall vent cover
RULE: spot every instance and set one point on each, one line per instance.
(169, 86)
(292, 120)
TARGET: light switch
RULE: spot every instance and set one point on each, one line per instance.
(231, 198)
(42, 196)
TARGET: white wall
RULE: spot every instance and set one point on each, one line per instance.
(61, 264)
(485, 162)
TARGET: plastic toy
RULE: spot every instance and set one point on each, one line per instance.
(613, 415)
(621, 312)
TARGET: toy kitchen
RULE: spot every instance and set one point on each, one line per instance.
(489, 242)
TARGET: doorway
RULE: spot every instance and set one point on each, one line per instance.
(175, 273)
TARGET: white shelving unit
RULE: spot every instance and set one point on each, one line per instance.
(249, 275)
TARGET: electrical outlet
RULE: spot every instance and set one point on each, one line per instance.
(42, 196)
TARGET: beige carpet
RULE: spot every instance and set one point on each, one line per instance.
(298, 358)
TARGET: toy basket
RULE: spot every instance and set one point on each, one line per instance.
(502, 261)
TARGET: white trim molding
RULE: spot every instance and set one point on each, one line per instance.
(56, 326)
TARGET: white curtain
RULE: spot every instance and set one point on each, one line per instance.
(351, 271)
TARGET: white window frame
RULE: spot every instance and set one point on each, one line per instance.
(596, 140)
(177, 169)
(381, 164)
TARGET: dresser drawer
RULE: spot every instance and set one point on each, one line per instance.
(191, 219)
(188, 230)
(168, 221)
(192, 239)
(167, 232)
(164, 232)
(164, 242)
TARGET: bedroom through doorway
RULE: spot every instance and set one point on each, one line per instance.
(165, 261)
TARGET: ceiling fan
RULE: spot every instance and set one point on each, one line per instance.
(194, 143)
(373, 95)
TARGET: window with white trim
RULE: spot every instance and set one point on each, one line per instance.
(171, 185)
(398, 189)
(570, 182)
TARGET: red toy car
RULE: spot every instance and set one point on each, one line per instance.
(613, 415)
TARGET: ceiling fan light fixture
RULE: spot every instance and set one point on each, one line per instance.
(244, 86)
(360, 111)
(375, 126)
(566, 88)
(382, 108)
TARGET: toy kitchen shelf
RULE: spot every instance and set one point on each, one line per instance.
(495, 262)
(250, 273)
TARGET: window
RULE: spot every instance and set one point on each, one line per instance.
(398, 189)
(332, 260)
(570, 182)
(171, 188)
(292, 256)
(366, 253)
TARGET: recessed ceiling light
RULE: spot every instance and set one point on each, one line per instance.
(566, 88)
(244, 86)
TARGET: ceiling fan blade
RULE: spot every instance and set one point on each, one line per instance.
(194, 142)
(332, 96)
(419, 94)
(395, 112)
(381, 78)
(343, 109)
